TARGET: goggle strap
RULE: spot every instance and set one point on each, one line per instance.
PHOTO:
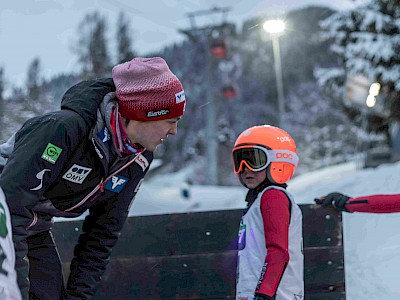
(283, 156)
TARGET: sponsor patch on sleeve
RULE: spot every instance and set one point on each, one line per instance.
(116, 183)
(104, 135)
(40, 176)
(142, 161)
(77, 174)
(51, 153)
(3, 222)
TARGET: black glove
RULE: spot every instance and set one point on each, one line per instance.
(337, 200)
(263, 297)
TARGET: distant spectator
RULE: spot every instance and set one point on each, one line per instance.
(185, 189)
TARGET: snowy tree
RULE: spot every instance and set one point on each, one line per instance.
(124, 42)
(92, 47)
(367, 42)
(58, 85)
(36, 100)
(324, 134)
(33, 81)
(26, 102)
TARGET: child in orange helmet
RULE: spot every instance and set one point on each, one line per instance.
(270, 258)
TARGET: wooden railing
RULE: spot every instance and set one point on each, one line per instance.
(193, 256)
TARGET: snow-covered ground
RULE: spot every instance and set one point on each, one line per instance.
(371, 241)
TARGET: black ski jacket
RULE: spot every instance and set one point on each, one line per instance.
(62, 164)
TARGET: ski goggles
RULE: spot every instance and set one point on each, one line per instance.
(257, 158)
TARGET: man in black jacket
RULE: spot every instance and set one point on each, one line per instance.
(91, 155)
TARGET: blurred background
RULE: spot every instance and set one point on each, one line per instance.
(328, 74)
(326, 71)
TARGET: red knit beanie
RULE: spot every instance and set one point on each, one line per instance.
(147, 90)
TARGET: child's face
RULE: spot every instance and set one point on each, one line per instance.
(252, 179)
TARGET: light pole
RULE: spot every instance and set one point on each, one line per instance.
(275, 28)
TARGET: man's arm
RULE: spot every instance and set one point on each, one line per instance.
(101, 230)
(370, 204)
(35, 162)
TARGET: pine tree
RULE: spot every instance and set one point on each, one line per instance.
(33, 100)
(92, 46)
(34, 82)
(124, 42)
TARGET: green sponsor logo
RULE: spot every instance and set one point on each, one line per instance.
(3, 222)
(51, 153)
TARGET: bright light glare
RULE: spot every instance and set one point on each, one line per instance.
(371, 101)
(374, 89)
(274, 26)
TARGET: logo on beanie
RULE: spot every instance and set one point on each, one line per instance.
(180, 97)
(157, 113)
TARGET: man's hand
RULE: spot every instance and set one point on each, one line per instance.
(336, 200)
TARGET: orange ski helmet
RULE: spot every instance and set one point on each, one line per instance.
(266, 147)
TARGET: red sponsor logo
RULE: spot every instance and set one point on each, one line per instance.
(142, 161)
(284, 155)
